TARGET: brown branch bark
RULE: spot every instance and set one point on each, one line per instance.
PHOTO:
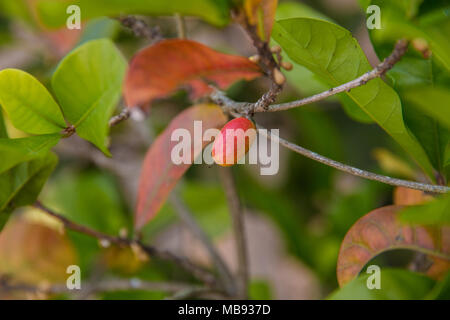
(198, 272)
(8, 284)
(141, 29)
(245, 107)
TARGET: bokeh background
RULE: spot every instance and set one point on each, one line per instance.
(295, 220)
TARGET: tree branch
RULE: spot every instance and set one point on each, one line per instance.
(123, 115)
(237, 217)
(186, 216)
(181, 26)
(399, 50)
(109, 285)
(198, 272)
(141, 29)
(358, 172)
(267, 62)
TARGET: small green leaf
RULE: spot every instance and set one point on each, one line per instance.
(53, 12)
(436, 212)
(394, 285)
(15, 151)
(334, 55)
(88, 85)
(21, 185)
(29, 105)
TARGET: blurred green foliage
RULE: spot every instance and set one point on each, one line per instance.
(311, 205)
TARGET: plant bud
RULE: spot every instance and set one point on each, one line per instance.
(286, 65)
(278, 77)
(233, 141)
(256, 58)
(275, 49)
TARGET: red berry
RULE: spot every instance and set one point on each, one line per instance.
(233, 141)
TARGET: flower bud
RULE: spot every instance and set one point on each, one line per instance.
(286, 65)
(256, 58)
(278, 77)
(275, 49)
(233, 141)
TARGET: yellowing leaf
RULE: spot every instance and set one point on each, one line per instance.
(35, 253)
(261, 13)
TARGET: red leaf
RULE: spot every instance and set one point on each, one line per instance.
(379, 231)
(408, 197)
(159, 173)
(160, 69)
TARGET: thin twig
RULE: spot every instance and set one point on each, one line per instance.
(181, 26)
(266, 61)
(141, 29)
(198, 272)
(399, 50)
(7, 284)
(355, 171)
(123, 115)
(237, 217)
(187, 217)
(243, 107)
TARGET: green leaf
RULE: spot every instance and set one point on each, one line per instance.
(53, 12)
(399, 21)
(15, 151)
(29, 105)
(410, 72)
(91, 198)
(433, 136)
(3, 132)
(99, 28)
(441, 291)
(16, 9)
(300, 77)
(21, 185)
(395, 285)
(434, 101)
(332, 53)
(87, 84)
(413, 73)
(436, 212)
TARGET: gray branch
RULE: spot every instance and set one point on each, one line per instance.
(359, 172)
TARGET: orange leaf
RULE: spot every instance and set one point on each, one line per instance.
(379, 231)
(261, 13)
(409, 197)
(160, 69)
(159, 173)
